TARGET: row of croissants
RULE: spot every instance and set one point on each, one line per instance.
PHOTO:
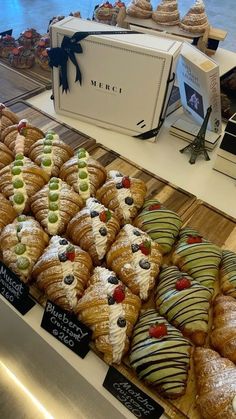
(92, 243)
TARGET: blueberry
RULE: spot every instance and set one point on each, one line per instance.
(119, 185)
(129, 200)
(62, 257)
(103, 231)
(94, 214)
(113, 280)
(135, 248)
(63, 242)
(121, 322)
(96, 200)
(69, 279)
(136, 233)
(144, 264)
(110, 300)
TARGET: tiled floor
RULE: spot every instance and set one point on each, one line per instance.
(20, 14)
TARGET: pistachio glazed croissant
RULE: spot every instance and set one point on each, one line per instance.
(110, 310)
(22, 132)
(22, 243)
(62, 272)
(7, 118)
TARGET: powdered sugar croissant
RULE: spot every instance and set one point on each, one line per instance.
(62, 272)
(110, 310)
(22, 243)
(54, 205)
(7, 118)
(7, 212)
(22, 132)
(136, 259)
(122, 194)
(6, 155)
(94, 229)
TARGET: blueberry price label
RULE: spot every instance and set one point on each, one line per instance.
(66, 328)
(134, 399)
(14, 291)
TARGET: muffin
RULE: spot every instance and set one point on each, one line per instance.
(29, 38)
(7, 43)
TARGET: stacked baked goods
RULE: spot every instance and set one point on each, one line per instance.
(167, 13)
(195, 20)
(21, 57)
(7, 43)
(41, 55)
(29, 38)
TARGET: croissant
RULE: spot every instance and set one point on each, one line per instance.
(198, 257)
(184, 302)
(123, 195)
(20, 180)
(84, 173)
(62, 272)
(223, 336)
(22, 132)
(6, 155)
(160, 223)
(216, 385)
(136, 259)
(94, 229)
(160, 354)
(111, 311)
(50, 153)
(7, 212)
(54, 205)
(22, 243)
(228, 273)
(7, 118)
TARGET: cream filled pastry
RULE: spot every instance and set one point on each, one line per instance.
(50, 153)
(122, 194)
(84, 173)
(54, 206)
(228, 273)
(136, 259)
(110, 310)
(7, 118)
(184, 302)
(23, 133)
(160, 354)
(139, 8)
(62, 272)
(22, 243)
(94, 229)
(198, 257)
(162, 224)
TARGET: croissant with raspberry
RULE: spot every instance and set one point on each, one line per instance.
(6, 156)
(7, 118)
(7, 212)
(54, 206)
(23, 133)
(62, 272)
(122, 194)
(136, 259)
(22, 243)
(110, 310)
(94, 229)
(228, 273)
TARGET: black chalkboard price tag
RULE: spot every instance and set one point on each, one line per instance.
(14, 291)
(134, 399)
(66, 328)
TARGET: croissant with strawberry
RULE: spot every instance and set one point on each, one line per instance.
(23, 134)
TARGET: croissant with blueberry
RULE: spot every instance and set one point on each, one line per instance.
(23, 133)
(110, 310)
(136, 258)
(6, 156)
(62, 272)
(54, 205)
(94, 229)
(122, 194)
(50, 153)
(7, 118)
(7, 212)
(83, 173)
(22, 243)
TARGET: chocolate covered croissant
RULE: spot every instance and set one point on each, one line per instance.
(110, 310)
(22, 243)
(94, 229)
(7, 118)
(62, 272)
(184, 302)
(228, 273)
(216, 385)
(6, 155)
(20, 180)
(84, 173)
(223, 336)
(160, 223)
(7, 212)
(198, 257)
(136, 259)
(160, 354)
(22, 132)
(122, 194)
(50, 153)
(54, 206)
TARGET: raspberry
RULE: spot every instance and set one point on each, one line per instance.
(119, 294)
(182, 284)
(158, 330)
(126, 182)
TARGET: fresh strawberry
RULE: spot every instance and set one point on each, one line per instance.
(182, 284)
(126, 182)
(22, 124)
(145, 247)
(15, 51)
(105, 216)
(119, 294)
(154, 207)
(158, 330)
(194, 239)
(70, 252)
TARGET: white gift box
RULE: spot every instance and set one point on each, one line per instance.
(126, 78)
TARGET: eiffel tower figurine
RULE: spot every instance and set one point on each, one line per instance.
(197, 146)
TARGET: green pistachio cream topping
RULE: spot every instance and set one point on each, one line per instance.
(18, 198)
(23, 263)
(20, 248)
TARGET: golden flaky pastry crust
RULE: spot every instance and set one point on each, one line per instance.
(7, 212)
(25, 131)
(7, 118)
(6, 155)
